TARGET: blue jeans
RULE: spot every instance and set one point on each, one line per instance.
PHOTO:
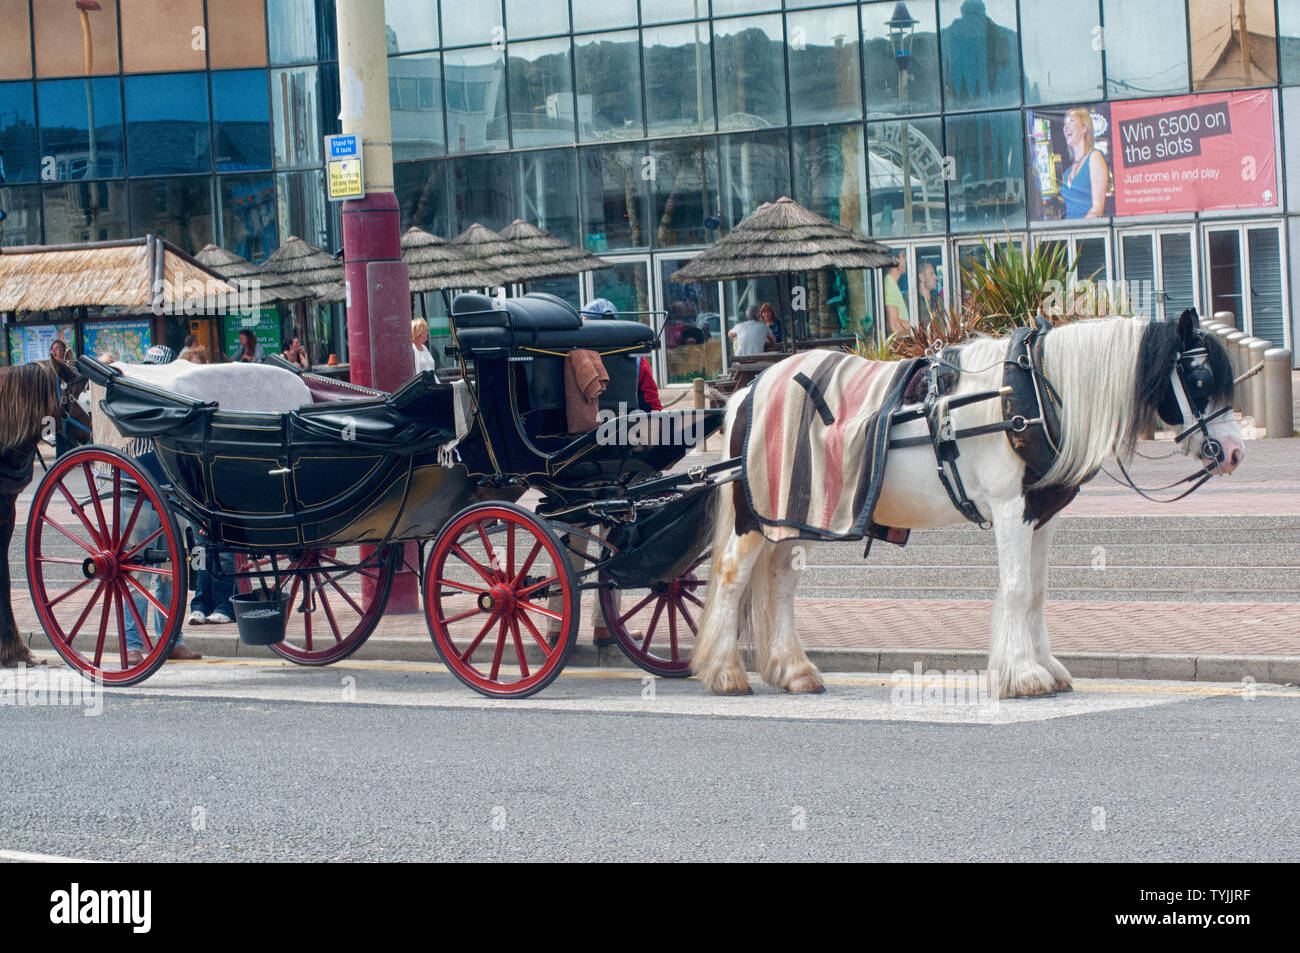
(212, 592)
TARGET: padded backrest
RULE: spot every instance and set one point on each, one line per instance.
(542, 312)
(477, 311)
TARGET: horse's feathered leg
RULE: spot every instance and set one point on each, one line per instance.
(715, 657)
(784, 664)
(1042, 542)
(1014, 670)
(12, 649)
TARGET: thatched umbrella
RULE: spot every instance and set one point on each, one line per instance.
(784, 238)
(558, 257)
(308, 267)
(270, 286)
(435, 264)
(495, 257)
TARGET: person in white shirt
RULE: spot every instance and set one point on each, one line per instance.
(751, 335)
(424, 361)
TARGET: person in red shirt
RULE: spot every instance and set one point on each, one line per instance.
(647, 391)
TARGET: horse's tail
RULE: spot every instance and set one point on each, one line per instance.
(717, 624)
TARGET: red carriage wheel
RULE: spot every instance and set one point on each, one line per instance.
(656, 626)
(104, 548)
(330, 615)
(501, 600)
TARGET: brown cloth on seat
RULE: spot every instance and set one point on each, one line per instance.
(585, 379)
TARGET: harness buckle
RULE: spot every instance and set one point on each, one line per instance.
(1018, 424)
(1024, 362)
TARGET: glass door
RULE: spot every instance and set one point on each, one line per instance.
(971, 250)
(923, 284)
(1246, 274)
(692, 328)
(1158, 270)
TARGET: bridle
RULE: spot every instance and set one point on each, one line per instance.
(64, 402)
(1189, 375)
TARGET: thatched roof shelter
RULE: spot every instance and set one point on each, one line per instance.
(435, 264)
(782, 238)
(495, 257)
(556, 256)
(270, 287)
(308, 267)
(137, 274)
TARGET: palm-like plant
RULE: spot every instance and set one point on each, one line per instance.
(1009, 287)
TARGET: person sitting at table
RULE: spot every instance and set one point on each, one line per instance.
(248, 349)
(296, 354)
(751, 335)
(193, 351)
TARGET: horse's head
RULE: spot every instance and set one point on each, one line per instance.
(1187, 378)
(73, 419)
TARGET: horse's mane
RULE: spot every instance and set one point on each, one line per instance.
(29, 395)
(1112, 374)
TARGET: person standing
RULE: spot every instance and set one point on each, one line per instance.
(897, 320)
(424, 361)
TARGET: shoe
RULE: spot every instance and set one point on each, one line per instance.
(134, 657)
(219, 618)
(601, 638)
(183, 653)
(197, 617)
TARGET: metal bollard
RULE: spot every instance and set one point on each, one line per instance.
(1230, 343)
(697, 386)
(1227, 317)
(1258, 396)
(1278, 412)
(1243, 365)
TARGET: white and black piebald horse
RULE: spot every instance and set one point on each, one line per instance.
(1113, 376)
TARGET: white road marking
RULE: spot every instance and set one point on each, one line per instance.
(26, 857)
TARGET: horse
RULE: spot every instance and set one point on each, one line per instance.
(33, 396)
(1112, 376)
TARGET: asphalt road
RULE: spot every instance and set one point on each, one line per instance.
(378, 761)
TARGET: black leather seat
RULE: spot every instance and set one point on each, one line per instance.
(539, 321)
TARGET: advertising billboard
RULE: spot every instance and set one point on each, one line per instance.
(1153, 156)
(31, 342)
(124, 341)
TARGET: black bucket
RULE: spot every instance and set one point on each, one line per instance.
(261, 615)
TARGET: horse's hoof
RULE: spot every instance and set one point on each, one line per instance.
(805, 685)
(1062, 687)
(732, 685)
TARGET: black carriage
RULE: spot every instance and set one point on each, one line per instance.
(316, 511)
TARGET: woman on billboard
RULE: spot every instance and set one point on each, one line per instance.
(1083, 190)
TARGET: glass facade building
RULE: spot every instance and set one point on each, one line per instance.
(643, 131)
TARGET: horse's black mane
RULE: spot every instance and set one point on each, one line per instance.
(1161, 342)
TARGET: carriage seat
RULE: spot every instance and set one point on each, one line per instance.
(540, 321)
(417, 416)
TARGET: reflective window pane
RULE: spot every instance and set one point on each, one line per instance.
(422, 196)
(548, 192)
(755, 169)
(1217, 28)
(541, 93)
(179, 210)
(837, 306)
(1053, 75)
(17, 133)
(604, 14)
(15, 40)
(295, 112)
(730, 8)
(236, 34)
(412, 25)
(1288, 41)
(828, 173)
(1146, 48)
(68, 108)
(750, 66)
(415, 99)
(473, 24)
(989, 191)
(615, 198)
(159, 35)
(247, 211)
(609, 86)
(85, 212)
(678, 78)
(476, 99)
(684, 191)
(525, 18)
(665, 11)
(301, 207)
(825, 79)
(482, 189)
(241, 120)
(60, 32)
(167, 124)
(891, 90)
(21, 224)
(981, 56)
(292, 31)
(905, 159)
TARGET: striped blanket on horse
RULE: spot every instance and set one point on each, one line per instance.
(817, 428)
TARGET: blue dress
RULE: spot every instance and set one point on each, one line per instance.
(1077, 192)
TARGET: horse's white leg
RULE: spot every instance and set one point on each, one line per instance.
(1042, 542)
(1014, 670)
(785, 664)
(715, 657)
